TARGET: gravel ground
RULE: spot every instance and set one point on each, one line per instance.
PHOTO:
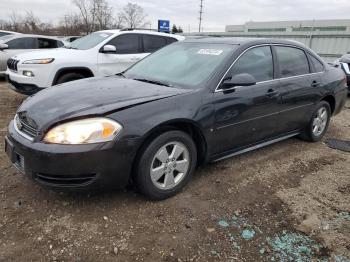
(285, 202)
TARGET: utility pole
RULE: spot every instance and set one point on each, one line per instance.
(200, 15)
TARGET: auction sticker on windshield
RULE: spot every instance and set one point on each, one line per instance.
(210, 52)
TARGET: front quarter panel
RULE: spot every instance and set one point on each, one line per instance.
(140, 121)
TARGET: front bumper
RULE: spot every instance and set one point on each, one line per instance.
(94, 166)
(25, 89)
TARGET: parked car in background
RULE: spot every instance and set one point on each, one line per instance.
(197, 101)
(11, 45)
(101, 53)
(3, 33)
(344, 63)
(69, 39)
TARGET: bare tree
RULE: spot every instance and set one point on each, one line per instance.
(95, 14)
(31, 22)
(103, 14)
(133, 16)
(83, 6)
(15, 21)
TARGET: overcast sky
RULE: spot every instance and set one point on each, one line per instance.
(217, 13)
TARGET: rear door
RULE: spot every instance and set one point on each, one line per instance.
(246, 115)
(298, 87)
(128, 52)
(16, 46)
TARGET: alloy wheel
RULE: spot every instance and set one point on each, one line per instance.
(170, 165)
(320, 122)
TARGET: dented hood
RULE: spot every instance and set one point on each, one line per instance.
(93, 96)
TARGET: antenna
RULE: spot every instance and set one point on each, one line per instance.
(200, 15)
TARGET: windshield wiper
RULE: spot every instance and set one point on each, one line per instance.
(121, 74)
(152, 82)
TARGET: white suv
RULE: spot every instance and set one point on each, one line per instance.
(101, 53)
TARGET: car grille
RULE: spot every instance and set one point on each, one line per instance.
(26, 127)
(12, 64)
(66, 180)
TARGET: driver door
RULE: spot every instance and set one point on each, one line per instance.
(128, 52)
(245, 115)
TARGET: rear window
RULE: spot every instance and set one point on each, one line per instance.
(292, 61)
(152, 43)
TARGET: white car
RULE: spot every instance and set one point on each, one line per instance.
(3, 33)
(14, 44)
(101, 53)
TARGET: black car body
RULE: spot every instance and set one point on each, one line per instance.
(344, 62)
(220, 119)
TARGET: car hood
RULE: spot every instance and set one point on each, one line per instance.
(90, 97)
(56, 53)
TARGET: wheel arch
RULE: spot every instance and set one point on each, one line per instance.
(330, 99)
(81, 70)
(188, 126)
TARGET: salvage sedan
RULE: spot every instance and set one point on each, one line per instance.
(202, 100)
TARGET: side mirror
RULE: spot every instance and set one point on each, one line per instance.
(3, 46)
(239, 80)
(109, 49)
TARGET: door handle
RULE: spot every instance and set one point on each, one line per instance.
(315, 84)
(272, 93)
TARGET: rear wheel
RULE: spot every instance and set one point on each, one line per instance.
(166, 165)
(69, 77)
(318, 124)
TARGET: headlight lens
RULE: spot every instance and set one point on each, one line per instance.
(43, 61)
(87, 131)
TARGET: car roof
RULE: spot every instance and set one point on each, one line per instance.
(10, 32)
(30, 35)
(240, 40)
(140, 31)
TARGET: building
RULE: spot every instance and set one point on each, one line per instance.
(291, 26)
(329, 38)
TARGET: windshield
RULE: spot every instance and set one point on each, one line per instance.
(90, 41)
(182, 64)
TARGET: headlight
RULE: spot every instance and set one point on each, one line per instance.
(87, 131)
(43, 61)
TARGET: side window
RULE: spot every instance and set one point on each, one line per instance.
(47, 43)
(257, 61)
(3, 33)
(292, 61)
(126, 44)
(22, 43)
(317, 64)
(152, 43)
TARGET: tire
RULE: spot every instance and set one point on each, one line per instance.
(69, 77)
(309, 133)
(155, 156)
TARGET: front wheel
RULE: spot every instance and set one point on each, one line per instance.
(69, 77)
(318, 124)
(166, 165)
